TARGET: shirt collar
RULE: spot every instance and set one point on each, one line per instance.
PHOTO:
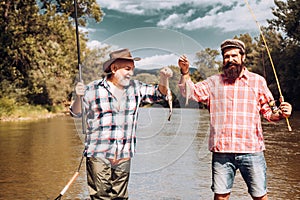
(245, 73)
(103, 83)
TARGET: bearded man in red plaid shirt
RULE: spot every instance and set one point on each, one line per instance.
(236, 100)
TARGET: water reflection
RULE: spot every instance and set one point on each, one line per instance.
(282, 157)
(37, 158)
(172, 162)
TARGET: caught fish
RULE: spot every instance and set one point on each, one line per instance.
(273, 107)
(170, 98)
(187, 93)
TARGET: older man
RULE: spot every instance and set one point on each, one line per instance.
(111, 106)
(236, 100)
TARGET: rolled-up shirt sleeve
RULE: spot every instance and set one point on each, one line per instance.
(198, 92)
(265, 97)
(150, 93)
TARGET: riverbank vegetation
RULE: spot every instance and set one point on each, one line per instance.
(39, 65)
(11, 111)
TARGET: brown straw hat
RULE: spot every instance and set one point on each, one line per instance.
(233, 43)
(119, 54)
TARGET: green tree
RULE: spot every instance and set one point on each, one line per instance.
(206, 64)
(93, 62)
(85, 8)
(287, 20)
(39, 61)
(16, 49)
(284, 53)
(147, 78)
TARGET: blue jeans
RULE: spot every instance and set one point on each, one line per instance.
(251, 165)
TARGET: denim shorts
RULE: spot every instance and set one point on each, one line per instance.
(252, 167)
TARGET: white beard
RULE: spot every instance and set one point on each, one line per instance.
(122, 81)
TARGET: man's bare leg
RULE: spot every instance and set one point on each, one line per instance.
(221, 196)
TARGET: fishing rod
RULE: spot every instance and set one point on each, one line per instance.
(64, 190)
(270, 57)
(79, 65)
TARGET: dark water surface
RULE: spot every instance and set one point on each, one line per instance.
(172, 162)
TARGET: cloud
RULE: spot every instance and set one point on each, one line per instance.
(171, 20)
(143, 6)
(148, 5)
(112, 4)
(95, 44)
(157, 61)
(235, 19)
(175, 20)
(147, 62)
(194, 14)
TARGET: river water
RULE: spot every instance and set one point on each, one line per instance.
(38, 158)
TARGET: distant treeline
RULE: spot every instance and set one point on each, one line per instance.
(39, 58)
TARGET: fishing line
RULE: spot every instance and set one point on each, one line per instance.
(270, 57)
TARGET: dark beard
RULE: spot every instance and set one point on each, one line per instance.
(232, 73)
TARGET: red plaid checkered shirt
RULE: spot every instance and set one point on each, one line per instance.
(235, 111)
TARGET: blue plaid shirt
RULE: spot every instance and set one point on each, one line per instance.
(111, 129)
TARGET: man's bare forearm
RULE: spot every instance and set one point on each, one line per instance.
(76, 105)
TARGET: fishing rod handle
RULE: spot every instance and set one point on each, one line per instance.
(69, 183)
(281, 99)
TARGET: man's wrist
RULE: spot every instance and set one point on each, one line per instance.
(184, 73)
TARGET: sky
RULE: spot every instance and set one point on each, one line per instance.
(159, 31)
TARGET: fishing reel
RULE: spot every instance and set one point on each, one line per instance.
(274, 107)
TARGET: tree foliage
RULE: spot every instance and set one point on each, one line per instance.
(285, 62)
(39, 57)
(85, 8)
(37, 52)
(286, 48)
(283, 41)
(206, 64)
(287, 19)
(93, 62)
